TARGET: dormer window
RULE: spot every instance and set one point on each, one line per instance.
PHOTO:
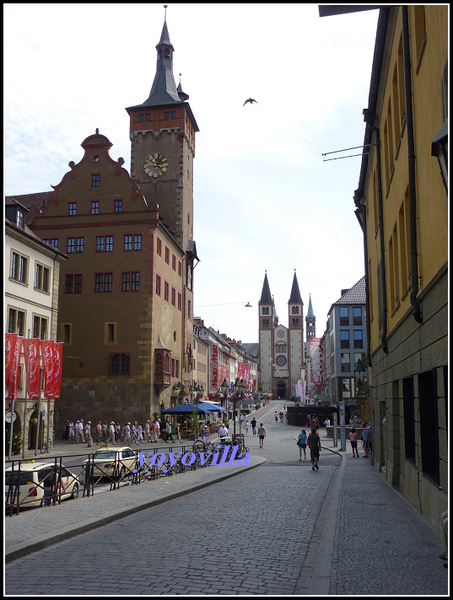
(15, 215)
(20, 219)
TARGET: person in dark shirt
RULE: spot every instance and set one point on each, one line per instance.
(314, 443)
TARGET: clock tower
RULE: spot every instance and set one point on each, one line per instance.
(162, 134)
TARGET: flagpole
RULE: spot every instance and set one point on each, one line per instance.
(48, 422)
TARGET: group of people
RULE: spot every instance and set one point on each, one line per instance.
(366, 441)
(314, 443)
(280, 415)
(112, 432)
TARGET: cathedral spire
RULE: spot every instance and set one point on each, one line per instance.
(310, 313)
(295, 297)
(266, 297)
(310, 321)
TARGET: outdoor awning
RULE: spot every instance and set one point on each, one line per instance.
(211, 407)
(184, 409)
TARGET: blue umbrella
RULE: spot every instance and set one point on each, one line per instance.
(184, 409)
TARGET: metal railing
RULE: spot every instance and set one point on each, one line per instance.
(90, 476)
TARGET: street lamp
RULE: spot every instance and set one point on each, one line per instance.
(359, 374)
(239, 387)
(439, 149)
(224, 388)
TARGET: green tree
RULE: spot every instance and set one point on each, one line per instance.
(17, 438)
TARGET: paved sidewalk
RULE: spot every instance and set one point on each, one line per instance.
(35, 529)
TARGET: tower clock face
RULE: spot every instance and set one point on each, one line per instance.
(155, 165)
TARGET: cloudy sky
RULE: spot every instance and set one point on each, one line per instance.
(265, 198)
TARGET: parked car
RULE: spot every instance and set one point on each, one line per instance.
(26, 482)
(112, 462)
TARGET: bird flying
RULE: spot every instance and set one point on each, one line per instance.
(251, 100)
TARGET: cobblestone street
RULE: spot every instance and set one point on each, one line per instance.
(280, 528)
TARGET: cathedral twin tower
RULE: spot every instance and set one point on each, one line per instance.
(282, 349)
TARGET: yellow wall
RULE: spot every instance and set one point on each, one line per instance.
(428, 55)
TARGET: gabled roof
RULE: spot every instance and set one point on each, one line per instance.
(253, 349)
(355, 295)
(30, 201)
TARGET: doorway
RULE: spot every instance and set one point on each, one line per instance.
(281, 389)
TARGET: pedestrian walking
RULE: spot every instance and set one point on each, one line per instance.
(148, 431)
(353, 439)
(314, 442)
(261, 434)
(153, 432)
(302, 443)
(178, 431)
(276, 416)
(127, 433)
(98, 434)
(105, 432)
(206, 434)
(366, 440)
(78, 435)
(88, 430)
(157, 430)
(111, 433)
(253, 424)
(247, 424)
(169, 434)
(223, 431)
(71, 430)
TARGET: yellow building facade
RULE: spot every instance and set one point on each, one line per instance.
(402, 202)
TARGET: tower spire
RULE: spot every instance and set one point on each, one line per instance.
(266, 297)
(310, 313)
(163, 90)
(310, 321)
(295, 297)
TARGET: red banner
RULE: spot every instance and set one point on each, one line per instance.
(244, 373)
(214, 367)
(34, 368)
(13, 348)
(48, 364)
(57, 364)
(10, 345)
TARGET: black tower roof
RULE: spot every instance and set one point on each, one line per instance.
(266, 297)
(295, 297)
